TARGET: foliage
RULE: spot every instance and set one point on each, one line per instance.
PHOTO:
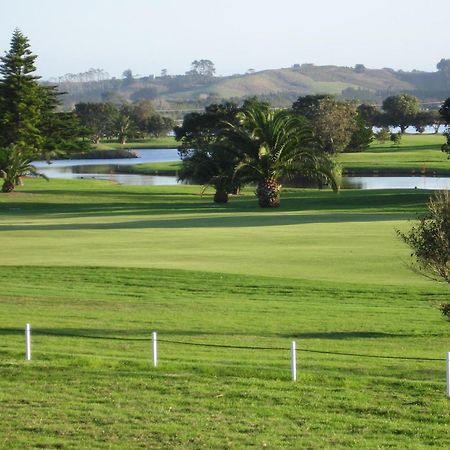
(396, 139)
(444, 111)
(204, 160)
(361, 137)
(274, 145)
(370, 114)
(29, 126)
(202, 68)
(445, 310)
(14, 163)
(21, 97)
(429, 240)
(333, 122)
(382, 135)
(443, 65)
(99, 118)
(400, 110)
(159, 125)
(423, 119)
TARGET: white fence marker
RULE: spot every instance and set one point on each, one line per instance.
(448, 374)
(154, 349)
(28, 342)
(294, 361)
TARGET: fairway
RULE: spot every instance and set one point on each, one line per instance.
(96, 267)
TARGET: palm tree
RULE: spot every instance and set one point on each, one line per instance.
(15, 163)
(275, 145)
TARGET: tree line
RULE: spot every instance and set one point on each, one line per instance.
(123, 122)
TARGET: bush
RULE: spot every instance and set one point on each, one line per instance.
(383, 135)
(445, 310)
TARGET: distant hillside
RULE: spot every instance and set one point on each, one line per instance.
(280, 86)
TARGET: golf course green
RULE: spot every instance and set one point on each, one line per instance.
(97, 267)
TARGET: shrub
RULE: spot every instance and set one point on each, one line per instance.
(445, 310)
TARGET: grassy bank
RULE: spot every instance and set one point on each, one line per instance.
(417, 154)
(160, 142)
(93, 259)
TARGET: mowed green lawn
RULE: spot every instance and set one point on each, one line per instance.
(417, 154)
(110, 264)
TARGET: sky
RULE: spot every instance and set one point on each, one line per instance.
(147, 36)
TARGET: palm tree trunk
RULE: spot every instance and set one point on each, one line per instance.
(221, 196)
(8, 186)
(268, 193)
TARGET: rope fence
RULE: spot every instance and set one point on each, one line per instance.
(154, 340)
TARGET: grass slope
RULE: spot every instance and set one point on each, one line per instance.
(307, 80)
(417, 155)
(86, 258)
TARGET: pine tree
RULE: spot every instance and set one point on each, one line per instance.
(29, 126)
(21, 98)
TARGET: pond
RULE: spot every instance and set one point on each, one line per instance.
(106, 169)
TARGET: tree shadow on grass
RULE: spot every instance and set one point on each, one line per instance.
(236, 221)
(341, 335)
(145, 334)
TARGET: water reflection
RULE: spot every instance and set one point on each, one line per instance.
(434, 183)
(106, 169)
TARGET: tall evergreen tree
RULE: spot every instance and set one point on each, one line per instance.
(21, 97)
(29, 126)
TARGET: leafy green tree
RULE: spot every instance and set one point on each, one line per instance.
(98, 118)
(382, 135)
(443, 65)
(160, 125)
(122, 126)
(275, 145)
(333, 122)
(361, 137)
(429, 239)
(401, 110)
(204, 160)
(202, 68)
(423, 119)
(396, 139)
(444, 111)
(141, 114)
(370, 114)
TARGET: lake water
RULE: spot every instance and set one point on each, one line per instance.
(106, 169)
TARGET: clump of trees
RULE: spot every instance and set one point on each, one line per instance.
(30, 126)
(337, 125)
(429, 241)
(400, 111)
(122, 122)
(229, 146)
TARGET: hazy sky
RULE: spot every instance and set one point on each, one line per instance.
(149, 35)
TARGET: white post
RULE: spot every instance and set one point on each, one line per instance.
(28, 342)
(154, 349)
(294, 361)
(448, 374)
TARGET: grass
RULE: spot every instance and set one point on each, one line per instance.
(417, 154)
(159, 142)
(83, 257)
